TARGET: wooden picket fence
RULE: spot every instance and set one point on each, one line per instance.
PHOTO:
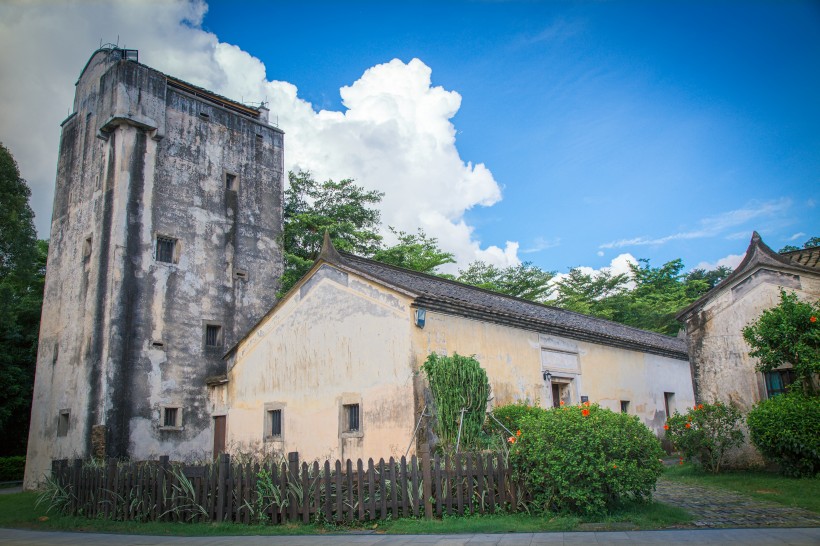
(288, 492)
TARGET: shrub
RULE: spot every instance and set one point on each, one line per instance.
(585, 459)
(460, 388)
(786, 430)
(706, 433)
(12, 468)
(511, 416)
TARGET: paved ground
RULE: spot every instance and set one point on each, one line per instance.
(721, 508)
(751, 537)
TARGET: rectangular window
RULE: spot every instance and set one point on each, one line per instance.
(669, 403)
(87, 247)
(166, 249)
(213, 335)
(172, 417)
(63, 421)
(351, 416)
(778, 381)
(624, 406)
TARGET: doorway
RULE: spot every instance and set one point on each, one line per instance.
(219, 435)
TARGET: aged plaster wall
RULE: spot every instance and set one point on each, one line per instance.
(337, 339)
(516, 359)
(722, 368)
(122, 334)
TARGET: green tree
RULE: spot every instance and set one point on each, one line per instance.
(658, 294)
(418, 252)
(524, 280)
(710, 279)
(811, 242)
(599, 294)
(788, 334)
(312, 208)
(22, 273)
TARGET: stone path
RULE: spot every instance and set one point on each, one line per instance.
(721, 508)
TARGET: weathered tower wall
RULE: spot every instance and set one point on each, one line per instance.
(123, 332)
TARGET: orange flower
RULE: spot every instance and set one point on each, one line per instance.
(700, 406)
(511, 439)
(518, 433)
(813, 319)
(586, 404)
(665, 427)
(562, 402)
(614, 466)
(695, 407)
(688, 425)
(681, 462)
(585, 412)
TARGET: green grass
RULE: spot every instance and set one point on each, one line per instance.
(18, 511)
(800, 492)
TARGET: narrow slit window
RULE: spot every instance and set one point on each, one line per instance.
(624, 406)
(205, 116)
(213, 335)
(63, 421)
(669, 403)
(87, 247)
(166, 249)
(351, 412)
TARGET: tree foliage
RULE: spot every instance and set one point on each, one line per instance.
(342, 209)
(460, 392)
(524, 280)
(788, 334)
(811, 242)
(418, 252)
(600, 294)
(22, 274)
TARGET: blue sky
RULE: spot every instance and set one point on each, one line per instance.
(661, 130)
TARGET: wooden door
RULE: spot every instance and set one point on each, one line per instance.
(219, 435)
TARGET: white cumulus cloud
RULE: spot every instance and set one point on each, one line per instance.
(395, 133)
(731, 261)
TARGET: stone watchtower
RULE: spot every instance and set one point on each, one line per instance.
(165, 249)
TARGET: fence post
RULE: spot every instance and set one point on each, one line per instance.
(293, 477)
(427, 489)
(224, 465)
(79, 489)
(110, 478)
(164, 462)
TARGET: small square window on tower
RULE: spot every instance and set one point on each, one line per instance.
(231, 182)
(87, 247)
(624, 406)
(171, 417)
(166, 250)
(213, 335)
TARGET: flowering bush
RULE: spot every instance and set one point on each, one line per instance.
(510, 416)
(706, 433)
(786, 430)
(585, 459)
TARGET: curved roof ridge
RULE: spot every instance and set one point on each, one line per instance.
(757, 253)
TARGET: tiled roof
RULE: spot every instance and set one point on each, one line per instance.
(807, 257)
(443, 295)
